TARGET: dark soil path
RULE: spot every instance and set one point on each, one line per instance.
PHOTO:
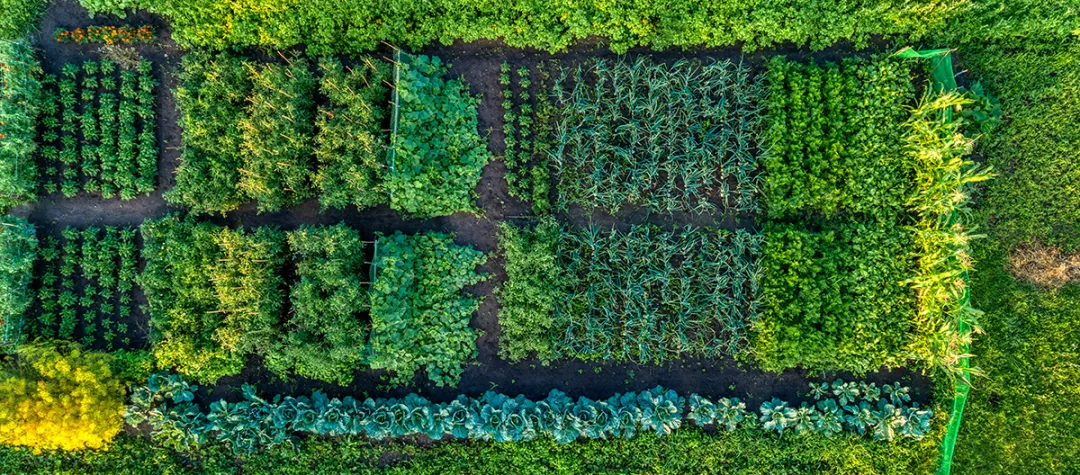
(479, 64)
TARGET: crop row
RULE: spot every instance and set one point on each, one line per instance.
(217, 296)
(165, 404)
(87, 282)
(528, 115)
(98, 130)
(253, 132)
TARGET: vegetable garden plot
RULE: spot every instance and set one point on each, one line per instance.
(678, 137)
(98, 130)
(85, 290)
(217, 296)
(253, 132)
(646, 295)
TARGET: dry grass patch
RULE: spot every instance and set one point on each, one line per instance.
(1044, 266)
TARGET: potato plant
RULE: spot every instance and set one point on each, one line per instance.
(85, 290)
(527, 128)
(97, 131)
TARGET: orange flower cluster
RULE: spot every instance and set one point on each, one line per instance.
(106, 34)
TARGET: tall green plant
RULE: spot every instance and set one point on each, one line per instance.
(211, 97)
(18, 252)
(351, 144)
(20, 96)
(277, 131)
(214, 294)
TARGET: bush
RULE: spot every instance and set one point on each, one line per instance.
(419, 318)
(438, 155)
(58, 397)
(18, 252)
(215, 294)
(351, 144)
(20, 96)
(325, 337)
(277, 130)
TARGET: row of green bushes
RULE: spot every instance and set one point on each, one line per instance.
(332, 26)
(218, 295)
(253, 132)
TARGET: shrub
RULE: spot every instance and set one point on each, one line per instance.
(419, 318)
(59, 397)
(215, 294)
(20, 96)
(438, 155)
(18, 252)
(325, 337)
(351, 144)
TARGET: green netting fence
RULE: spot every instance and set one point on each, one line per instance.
(942, 76)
